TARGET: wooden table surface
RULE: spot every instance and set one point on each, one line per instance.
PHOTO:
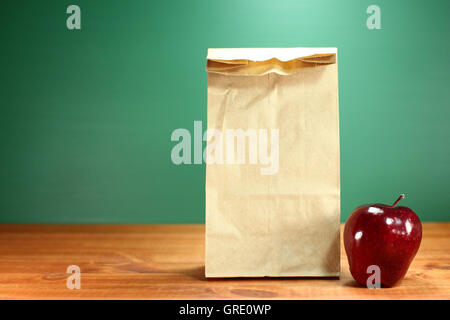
(167, 262)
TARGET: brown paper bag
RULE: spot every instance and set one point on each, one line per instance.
(272, 173)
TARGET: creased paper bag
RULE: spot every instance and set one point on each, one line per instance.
(272, 173)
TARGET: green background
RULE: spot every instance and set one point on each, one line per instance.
(86, 115)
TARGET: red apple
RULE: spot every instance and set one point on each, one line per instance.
(384, 236)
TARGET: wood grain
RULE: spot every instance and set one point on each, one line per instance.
(167, 262)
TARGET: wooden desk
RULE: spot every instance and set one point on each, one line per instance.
(167, 262)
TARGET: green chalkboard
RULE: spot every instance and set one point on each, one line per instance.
(87, 114)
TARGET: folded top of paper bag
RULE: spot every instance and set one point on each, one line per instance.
(260, 61)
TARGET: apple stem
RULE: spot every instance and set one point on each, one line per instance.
(398, 199)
